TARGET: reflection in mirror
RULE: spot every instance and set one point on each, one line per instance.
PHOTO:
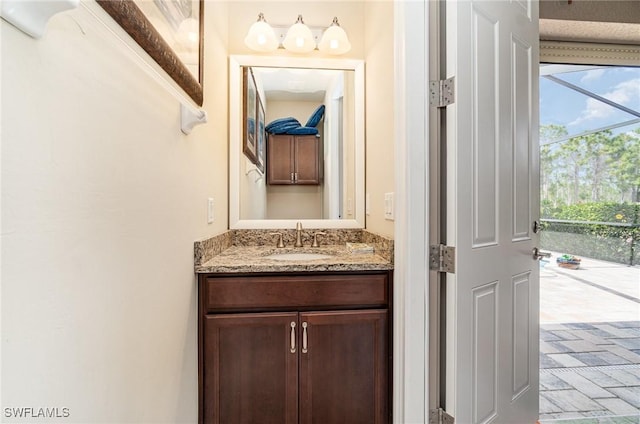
(332, 197)
(297, 93)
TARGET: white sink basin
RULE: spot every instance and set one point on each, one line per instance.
(294, 256)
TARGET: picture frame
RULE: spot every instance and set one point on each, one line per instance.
(262, 137)
(136, 17)
(250, 110)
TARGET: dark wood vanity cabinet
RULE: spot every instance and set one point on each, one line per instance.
(294, 159)
(316, 349)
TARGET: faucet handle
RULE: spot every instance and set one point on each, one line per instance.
(298, 242)
(280, 242)
(315, 238)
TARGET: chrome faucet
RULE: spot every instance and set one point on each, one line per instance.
(298, 242)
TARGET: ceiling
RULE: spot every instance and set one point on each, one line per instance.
(601, 21)
(295, 84)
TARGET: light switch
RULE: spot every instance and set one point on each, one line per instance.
(388, 206)
(209, 210)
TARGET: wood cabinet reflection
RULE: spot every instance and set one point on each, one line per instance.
(294, 159)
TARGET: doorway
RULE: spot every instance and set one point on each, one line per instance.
(590, 285)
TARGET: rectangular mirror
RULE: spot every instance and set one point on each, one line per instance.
(295, 88)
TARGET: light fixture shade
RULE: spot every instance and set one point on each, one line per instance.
(299, 38)
(334, 40)
(261, 37)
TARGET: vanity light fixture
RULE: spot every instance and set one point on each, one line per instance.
(261, 36)
(297, 38)
(334, 40)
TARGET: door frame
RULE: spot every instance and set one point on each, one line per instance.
(419, 167)
(411, 274)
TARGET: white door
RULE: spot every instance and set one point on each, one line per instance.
(492, 202)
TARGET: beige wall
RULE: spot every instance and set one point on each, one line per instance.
(294, 202)
(283, 108)
(102, 199)
(379, 111)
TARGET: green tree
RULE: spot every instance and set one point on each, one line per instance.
(595, 161)
(596, 167)
(571, 155)
(624, 157)
(549, 171)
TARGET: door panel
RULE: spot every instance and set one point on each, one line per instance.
(492, 201)
(485, 345)
(484, 132)
(253, 377)
(344, 370)
(521, 69)
(521, 347)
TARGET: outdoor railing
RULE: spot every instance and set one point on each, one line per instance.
(610, 241)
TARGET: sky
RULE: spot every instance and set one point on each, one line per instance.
(577, 112)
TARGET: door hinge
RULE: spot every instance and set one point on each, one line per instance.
(439, 416)
(442, 258)
(441, 92)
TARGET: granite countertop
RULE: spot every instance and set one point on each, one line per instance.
(241, 259)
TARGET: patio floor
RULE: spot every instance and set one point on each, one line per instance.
(590, 343)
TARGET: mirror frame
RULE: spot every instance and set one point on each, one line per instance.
(236, 62)
(129, 16)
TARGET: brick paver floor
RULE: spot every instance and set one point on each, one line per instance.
(590, 344)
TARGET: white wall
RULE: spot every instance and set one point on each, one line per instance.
(102, 199)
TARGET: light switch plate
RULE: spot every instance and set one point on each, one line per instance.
(388, 206)
(209, 210)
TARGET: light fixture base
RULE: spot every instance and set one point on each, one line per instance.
(281, 33)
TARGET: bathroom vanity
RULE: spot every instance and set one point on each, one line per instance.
(294, 341)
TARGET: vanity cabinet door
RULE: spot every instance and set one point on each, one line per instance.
(307, 163)
(293, 159)
(280, 169)
(250, 369)
(344, 367)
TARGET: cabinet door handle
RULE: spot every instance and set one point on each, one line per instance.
(292, 178)
(304, 337)
(293, 337)
(295, 176)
